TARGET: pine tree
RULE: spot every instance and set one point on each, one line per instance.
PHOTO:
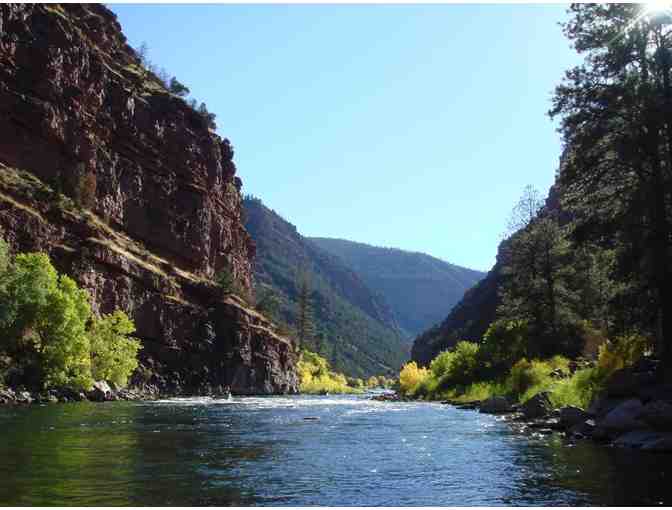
(616, 111)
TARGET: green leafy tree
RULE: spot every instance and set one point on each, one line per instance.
(43, 328)
(113, 353)
(64, 347)
(44, 322)
(505, 342)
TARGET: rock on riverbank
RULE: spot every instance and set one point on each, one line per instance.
(101, 392)
(634, 411)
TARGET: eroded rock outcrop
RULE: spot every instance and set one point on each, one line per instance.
(162, 208)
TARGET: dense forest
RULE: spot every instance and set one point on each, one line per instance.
(585, 273)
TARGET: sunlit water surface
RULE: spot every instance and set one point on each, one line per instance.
(263, 451)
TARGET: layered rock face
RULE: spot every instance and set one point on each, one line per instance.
(161, 204)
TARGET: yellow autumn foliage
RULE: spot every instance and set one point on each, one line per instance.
(411, 376)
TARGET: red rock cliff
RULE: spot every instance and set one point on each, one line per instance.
(80, 115)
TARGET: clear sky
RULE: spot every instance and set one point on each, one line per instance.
(408, 126)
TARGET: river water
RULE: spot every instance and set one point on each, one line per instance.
(264, 451)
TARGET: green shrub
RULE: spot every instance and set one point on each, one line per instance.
(442, 364)
(559, 362)
(505, 342)
(529, 377)
(483, 390)
(577, 390)
(465, 362)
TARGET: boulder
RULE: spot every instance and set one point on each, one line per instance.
(658, 415)
(601, 434)
(646, 364)
(602, 405)
(657, 392)
(495, 405)
(637, 438)
(24, 397)
(7, 396)
(538, 406)
(663, 443)
(47, 398)
(627, 383)
(624, 417)
(468, 405)
(100, 392)
(571, 416)
(582, 429)
(545, 423)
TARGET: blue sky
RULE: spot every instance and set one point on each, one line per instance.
(408, 126)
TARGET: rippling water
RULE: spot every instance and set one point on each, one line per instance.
(263, 451)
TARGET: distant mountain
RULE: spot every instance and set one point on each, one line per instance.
(468, 320)
(356, 328)
(420, 289)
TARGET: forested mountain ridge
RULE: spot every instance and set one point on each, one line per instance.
(355, 329)
(419, 288)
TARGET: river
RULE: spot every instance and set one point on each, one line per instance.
(264, 451)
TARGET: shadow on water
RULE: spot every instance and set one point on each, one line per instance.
(263, 451)
(118, 454)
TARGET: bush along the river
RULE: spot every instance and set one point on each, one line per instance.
(50, 339)
(617, 398)
(317, 377)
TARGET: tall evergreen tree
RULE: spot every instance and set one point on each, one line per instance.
(537, 287)
(616, 111)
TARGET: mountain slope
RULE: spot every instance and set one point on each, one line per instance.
(420, 289)
(468, 320)
(356, 329)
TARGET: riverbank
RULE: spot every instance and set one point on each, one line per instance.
(101, 392)
(634, 410)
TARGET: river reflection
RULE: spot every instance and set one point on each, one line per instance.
(263, 451)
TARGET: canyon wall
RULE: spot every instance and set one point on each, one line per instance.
(128, 191)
